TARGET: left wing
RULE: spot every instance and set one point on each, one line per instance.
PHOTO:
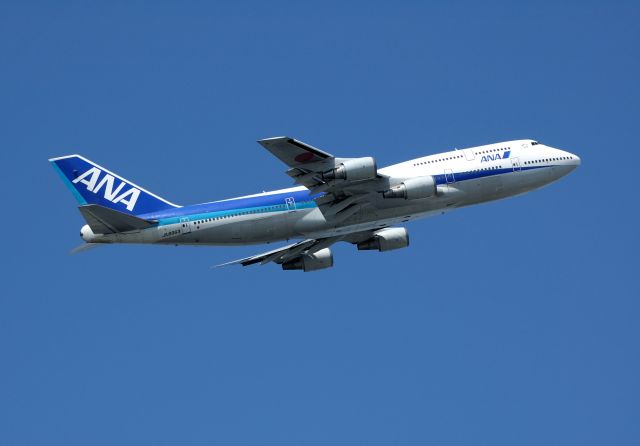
(294, 153)
(344, 181)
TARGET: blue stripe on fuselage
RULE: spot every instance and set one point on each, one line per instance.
(235, 204)
(473, 175)
(236, 212)
(276, 202)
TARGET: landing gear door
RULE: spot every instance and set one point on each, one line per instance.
(515, 163)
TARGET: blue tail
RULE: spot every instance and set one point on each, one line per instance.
(92, 184)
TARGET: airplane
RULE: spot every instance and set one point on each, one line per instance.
(336, 200)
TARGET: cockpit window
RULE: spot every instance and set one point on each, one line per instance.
(534, 143)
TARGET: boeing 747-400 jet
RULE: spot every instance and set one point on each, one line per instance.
(337, 199)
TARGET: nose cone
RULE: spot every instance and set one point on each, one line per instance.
(569, 162)
(577, 160)
(573, 161)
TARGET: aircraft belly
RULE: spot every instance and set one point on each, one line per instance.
(262, 229)
(247, 231)
(525, 181)
(388, 212)
(503, 186)
(308, 221)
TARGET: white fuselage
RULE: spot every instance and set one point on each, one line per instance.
(463, 177)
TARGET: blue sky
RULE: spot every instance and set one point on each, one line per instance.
(513, 322)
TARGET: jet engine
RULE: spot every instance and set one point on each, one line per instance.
(311, 262)
(355, 169)
(413, 188)
(386, 240)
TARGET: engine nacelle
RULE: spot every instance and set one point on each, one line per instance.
(386, 240)
(413, 189)
(311, 262)
(355, 169)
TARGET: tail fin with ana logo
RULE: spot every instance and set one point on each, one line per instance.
(92, 184)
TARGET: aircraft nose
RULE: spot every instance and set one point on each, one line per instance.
(567, 161)
(575, 159)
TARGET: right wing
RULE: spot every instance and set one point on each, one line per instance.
(302, 248)
(286, 253)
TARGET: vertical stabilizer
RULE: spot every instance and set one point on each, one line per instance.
(92, 184)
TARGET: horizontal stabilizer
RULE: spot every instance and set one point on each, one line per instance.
(85, 247)
(103, 220)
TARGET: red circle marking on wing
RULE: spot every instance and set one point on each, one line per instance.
(304, 157)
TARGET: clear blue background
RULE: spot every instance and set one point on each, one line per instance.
(513, 322)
